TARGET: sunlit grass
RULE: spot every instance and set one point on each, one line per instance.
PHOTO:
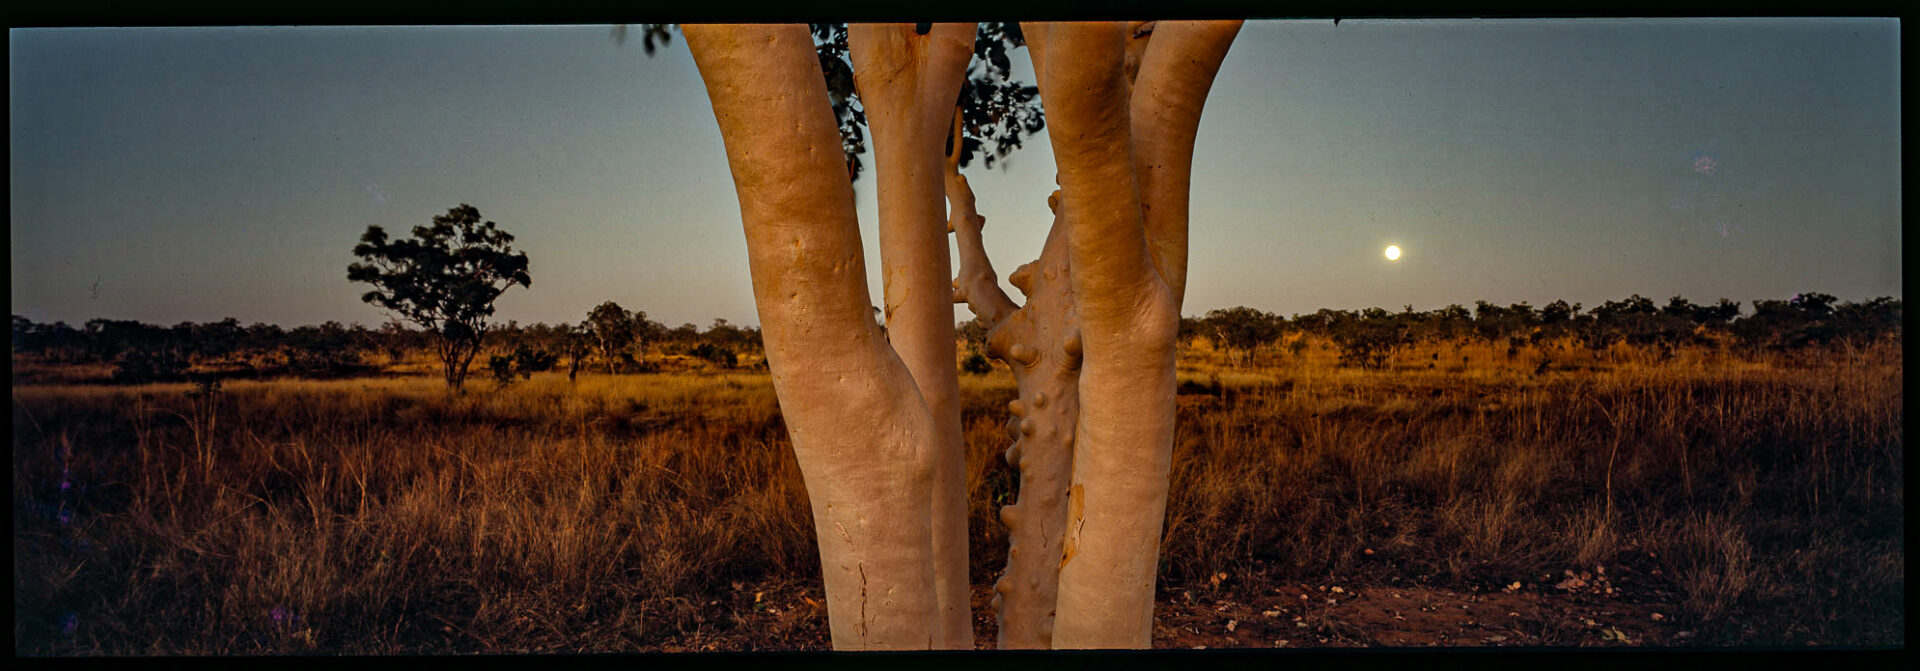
(619, 512)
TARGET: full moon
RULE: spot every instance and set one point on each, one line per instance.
(1393, 252)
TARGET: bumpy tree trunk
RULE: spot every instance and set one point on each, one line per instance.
(862, 434)
(1122, 150)
(1040, 343)
(907, 83)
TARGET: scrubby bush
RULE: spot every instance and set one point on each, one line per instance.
(140, 366)
(716, 355)
(976, 364)
(527, 360)
(1371, 339)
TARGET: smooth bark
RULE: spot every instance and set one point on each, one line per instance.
(1176, 73)
(1122, 259)
(861, 432)
(907, 85)
(875, 424)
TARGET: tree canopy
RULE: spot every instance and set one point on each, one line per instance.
(445, 278)
(997, 112)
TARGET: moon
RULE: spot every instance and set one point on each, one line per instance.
(1393, 252)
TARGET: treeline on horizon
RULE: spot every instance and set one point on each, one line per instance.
(1367, 338)
(614, 340)
(611, 339)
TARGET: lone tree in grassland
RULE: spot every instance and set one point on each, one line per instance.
(874, 418)
(574, 344)
(613, 330)
(445, 278)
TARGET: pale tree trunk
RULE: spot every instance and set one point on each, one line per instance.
(908, 83)
(1176, 74)
(1039, 343)
(870, 426)
(861, 433)
(1120, 156)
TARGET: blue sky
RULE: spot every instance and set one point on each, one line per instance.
(170, 174)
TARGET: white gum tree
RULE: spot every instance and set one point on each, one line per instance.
(875, 418)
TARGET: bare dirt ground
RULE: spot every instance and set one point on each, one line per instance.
(1308, 616)
(1610, 606)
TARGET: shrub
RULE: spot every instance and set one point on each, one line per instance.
(719, 356)
(528, 361)
(976, 364)
(502, 369)
(139, 366)
(1369, 342)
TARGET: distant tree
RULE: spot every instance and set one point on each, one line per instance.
(611, 328)
(1638, 321)
(394, 340)
(685, 333)
(724, 334)
(445, 278)
(524, 362)
(1323, 321)
(530, 360)
(1718, 314)
(1372, 337)
(1558, 312)
(1448, 322)
(716, 354)
(1680, 307)
(327, 349)
(508, 335)
(973, 332)
(1875, 318)
(1493, 323)
(976, 364)
(140, 352)
(1556, 319)
(214, 340)
(575, 344)
(1244, 329)
(57, 341)
(646, 331)
(1816, 319)
(502, 369)
(264, 339)
(1813, 304)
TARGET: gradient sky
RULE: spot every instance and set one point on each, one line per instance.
(170, 174)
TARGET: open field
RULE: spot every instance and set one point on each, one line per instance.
(1460, 497)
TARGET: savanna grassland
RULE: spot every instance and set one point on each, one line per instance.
(1458, 496)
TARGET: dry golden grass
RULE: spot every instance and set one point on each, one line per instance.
(659, 512)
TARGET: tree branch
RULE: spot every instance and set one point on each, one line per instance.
(1175, 74)
(976, 284)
